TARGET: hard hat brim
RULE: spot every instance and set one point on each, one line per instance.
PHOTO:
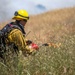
(18, 18)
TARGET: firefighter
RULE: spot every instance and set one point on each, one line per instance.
(16, 33)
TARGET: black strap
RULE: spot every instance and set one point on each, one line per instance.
(9, 27)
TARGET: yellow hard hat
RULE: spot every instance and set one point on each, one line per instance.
(21, 15)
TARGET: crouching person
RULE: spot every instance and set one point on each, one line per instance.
(14, 34)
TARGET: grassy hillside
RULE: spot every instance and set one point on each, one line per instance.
(52, 25)
(57, 27)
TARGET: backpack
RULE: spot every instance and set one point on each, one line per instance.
(4, 33)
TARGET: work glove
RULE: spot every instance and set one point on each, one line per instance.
(34, 46)
(28, 42)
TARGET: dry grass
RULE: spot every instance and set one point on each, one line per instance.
(56, 26)
(51, 25)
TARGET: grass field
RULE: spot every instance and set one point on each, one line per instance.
(55, 27)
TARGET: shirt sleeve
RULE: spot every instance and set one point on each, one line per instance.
(17, 37)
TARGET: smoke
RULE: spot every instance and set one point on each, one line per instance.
(8, 7)
(53, 4)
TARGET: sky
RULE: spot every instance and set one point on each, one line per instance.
(8, 7)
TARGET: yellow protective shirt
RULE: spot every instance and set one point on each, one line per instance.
(17, 37)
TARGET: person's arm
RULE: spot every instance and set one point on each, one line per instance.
(18, 38)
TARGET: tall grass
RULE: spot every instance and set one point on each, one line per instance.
(54, 61)
(48, 60)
